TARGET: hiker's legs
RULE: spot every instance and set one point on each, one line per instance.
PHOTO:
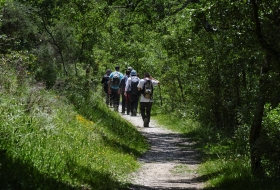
(123, 103)
(107, 99)
(143, 109)
(128, 102)
(110, 100)
(117, 102)
(148, 110)
(134, 104)
(115, 99)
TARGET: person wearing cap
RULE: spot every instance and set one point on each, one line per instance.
(104, 82)
(129, 68)
(132, 92)
(113, 87)
(146, 102)
(125, 99)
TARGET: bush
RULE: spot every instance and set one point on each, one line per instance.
(270, 141)
(46, 142)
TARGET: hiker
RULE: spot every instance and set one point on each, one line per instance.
(104, 81)
(125, 100)
(129, 68)
(146, 101)
(132, 92)
(113, 87)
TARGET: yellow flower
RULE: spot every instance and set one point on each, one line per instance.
(84, 121)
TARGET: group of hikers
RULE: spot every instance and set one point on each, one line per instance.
(129, 87)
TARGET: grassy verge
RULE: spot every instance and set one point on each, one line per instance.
(225, 161)
(47, 143)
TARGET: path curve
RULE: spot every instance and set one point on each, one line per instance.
(170, 163)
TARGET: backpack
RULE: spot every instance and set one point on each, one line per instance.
(134, 86)
(116, 79)
(123, 83)
(147, 90)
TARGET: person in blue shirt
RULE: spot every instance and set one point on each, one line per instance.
(114, 87)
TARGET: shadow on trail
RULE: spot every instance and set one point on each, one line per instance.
(184, 181)
(170, 147)
(140, 187)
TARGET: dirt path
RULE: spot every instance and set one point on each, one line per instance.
(169, 164)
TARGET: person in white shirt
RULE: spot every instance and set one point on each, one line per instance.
(145, 86)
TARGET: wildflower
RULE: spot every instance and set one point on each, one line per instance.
(84, 121)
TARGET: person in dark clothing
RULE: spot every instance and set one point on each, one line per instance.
(125, 99)
(104, 81)
(114, 87)
(131, 91)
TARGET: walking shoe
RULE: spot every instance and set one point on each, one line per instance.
(134, 112)
(146, 122)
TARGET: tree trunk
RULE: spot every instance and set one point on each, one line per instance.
(256, 127)
(181, 90)
(258, 118)
(58, 47)
(87, 83)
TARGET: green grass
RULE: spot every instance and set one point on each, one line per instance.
(225, 162)
(46, 142)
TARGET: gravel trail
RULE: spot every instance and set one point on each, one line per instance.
(170, 163)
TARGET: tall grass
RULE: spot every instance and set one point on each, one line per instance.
(48, 143)
(225, 162)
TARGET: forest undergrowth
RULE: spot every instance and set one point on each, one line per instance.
(67, 138)
(225, 163)
(55, 140)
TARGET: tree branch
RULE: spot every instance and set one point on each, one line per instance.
(258, 30)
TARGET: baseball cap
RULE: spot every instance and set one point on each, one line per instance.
(133, 73)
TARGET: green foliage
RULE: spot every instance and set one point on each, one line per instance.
(210, 57)
(225, 161)
(270, 141)
(45, 69)
(47, 143)
(19, 24)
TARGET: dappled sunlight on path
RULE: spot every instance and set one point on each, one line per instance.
(170, 163)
